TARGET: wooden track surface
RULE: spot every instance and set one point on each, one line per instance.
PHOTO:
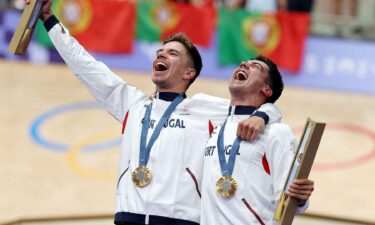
(38, 181)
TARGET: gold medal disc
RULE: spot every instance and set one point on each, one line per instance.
(141, 176)
(226, 186)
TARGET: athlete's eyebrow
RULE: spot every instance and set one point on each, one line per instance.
(173, 51)
(258, 64)
(170, 50)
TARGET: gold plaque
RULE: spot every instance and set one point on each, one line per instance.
(226, 186)
(299, 169)
(23, 34)
(141, 176)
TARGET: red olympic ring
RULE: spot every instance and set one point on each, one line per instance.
(369, 155)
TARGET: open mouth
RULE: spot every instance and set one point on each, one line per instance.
(160, 66)
(240, 75)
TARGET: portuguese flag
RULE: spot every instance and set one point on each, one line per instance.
(280, 37)
(105, 26)
(156, 21)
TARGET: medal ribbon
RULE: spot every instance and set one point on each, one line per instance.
(146, 149)
(227, 168)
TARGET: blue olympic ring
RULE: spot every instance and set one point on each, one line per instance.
(34, 130)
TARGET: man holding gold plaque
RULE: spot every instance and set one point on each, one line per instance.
(242, 181)
(161, 161)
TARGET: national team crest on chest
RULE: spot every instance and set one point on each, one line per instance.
(183, 110)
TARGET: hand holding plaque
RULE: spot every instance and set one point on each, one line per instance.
(23, 34)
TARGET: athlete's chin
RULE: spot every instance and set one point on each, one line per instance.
(159, 82)
(237, 88)
(237, 85)
(157, 79)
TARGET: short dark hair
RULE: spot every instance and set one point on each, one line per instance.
(193, 52)
(274, 78)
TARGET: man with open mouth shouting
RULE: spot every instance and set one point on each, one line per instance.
(163, 137)
(242, 181)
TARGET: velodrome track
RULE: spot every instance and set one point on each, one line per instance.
(59, 151)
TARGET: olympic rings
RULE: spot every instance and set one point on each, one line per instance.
(35, 135)
(73, 164)
(88, 145)
(353, 161)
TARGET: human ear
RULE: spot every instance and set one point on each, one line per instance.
(266, 90)
(189, 74)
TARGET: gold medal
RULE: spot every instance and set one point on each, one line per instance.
(226, 186)
(141, 176)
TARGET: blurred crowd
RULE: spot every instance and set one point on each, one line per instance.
(253, 5)
(340, 18)
(13, 4)
(257, 5)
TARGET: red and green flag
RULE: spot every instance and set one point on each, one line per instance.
(156, 21)
(105, 26)
(280, 37)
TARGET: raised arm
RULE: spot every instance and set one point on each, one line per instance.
(113, 93)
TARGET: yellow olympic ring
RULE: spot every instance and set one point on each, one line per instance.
(96, 174)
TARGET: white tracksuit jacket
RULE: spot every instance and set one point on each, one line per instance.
(260, 170)
(176, 159)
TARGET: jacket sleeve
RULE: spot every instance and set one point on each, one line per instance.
(214, 108)
(218, 109)
(270, 113)
(113, 93)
